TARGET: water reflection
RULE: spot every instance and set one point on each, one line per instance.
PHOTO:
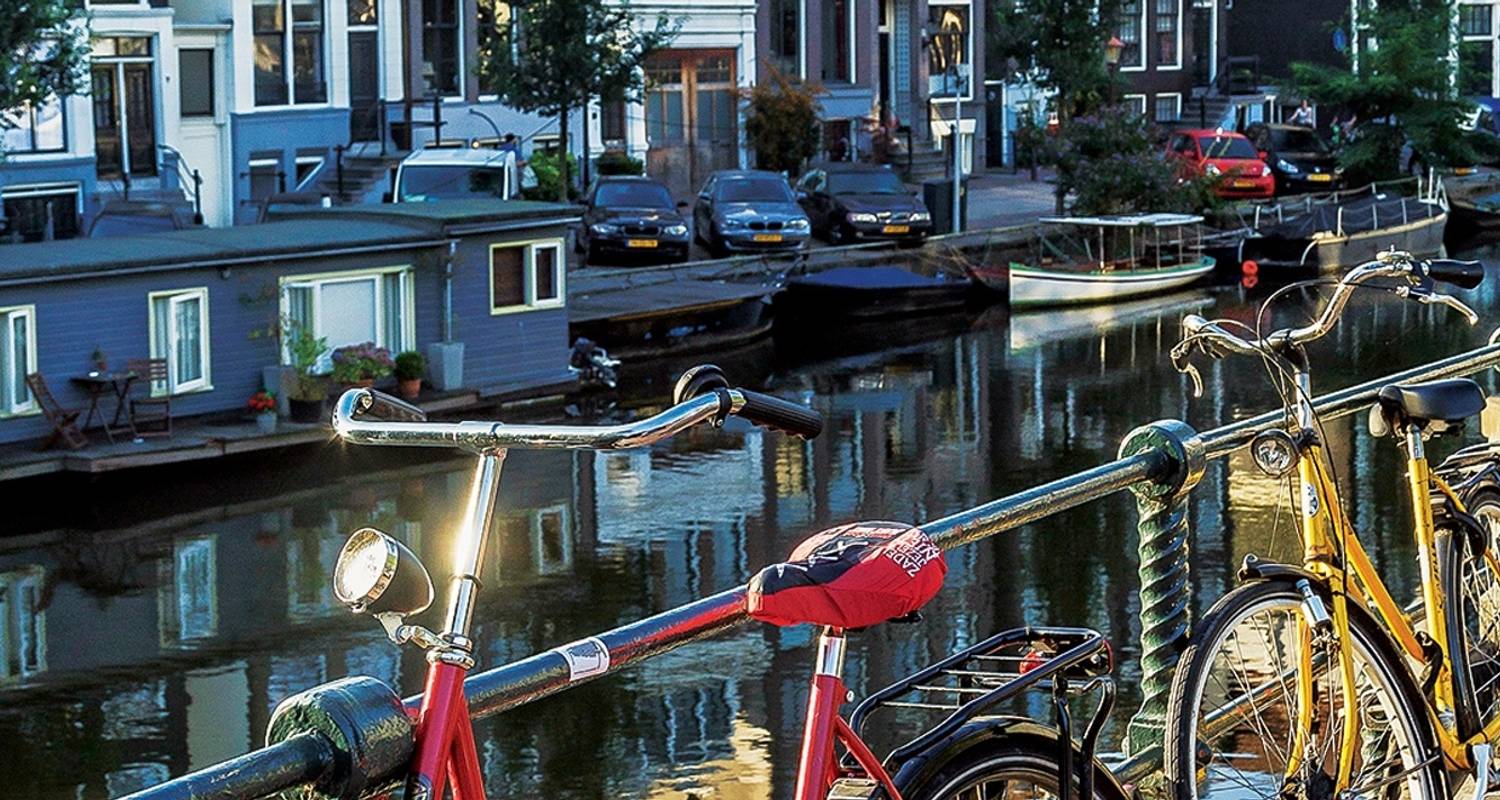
(133, 653)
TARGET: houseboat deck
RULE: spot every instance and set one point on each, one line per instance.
(664, 299)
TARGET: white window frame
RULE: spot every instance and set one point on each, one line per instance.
(968, 51)
(539, 540)
(1176, 104)
(528, 275)
(1181, 21)
(382, 336)
(1140, 43)
(174, 297)
(1493, 38)
(1138, 100)
(299, 161)
(11, 406)
(289, 68)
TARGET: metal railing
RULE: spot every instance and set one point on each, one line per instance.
(1159, 463)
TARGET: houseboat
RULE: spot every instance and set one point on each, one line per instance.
(1100, 259)
(870, 292)
(1336, 231)
(1473, 206)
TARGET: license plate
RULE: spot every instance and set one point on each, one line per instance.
(767, 237)
(896, 229)
(641, 243)
(1464, 171)
(1243, 184)
(1319, 177)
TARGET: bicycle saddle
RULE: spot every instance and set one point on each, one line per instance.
(850, 576)
(1434, 406)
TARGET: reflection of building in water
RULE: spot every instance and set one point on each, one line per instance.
(23, 624)
(187, 592)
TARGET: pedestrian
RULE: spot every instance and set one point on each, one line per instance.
(1336, 130)
(1303, 115)
(508, 142)
(1349, 127)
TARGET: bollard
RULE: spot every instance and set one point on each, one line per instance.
(1162, 504)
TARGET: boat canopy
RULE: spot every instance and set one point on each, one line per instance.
(1158, 220)
(1120, 242)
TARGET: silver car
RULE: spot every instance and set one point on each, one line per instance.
(741, 211)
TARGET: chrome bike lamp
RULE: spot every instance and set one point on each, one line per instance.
(378, 574)
(1274, 452)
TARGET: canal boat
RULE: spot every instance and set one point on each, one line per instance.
(1100, 259)
(1473, 206)
(1332, 232)
(873, 292)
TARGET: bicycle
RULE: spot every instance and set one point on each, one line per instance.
(1297, 683)
(843, 579)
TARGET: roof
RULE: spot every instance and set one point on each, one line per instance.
(1159, 220)
(441, 212)
(464, 156)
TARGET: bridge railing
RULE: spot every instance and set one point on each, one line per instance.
(339, 739)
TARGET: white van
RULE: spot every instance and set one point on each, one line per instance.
(456, 173)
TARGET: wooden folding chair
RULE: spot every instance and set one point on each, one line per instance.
(150, 415)
(62, 419)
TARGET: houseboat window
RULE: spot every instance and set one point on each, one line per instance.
(17, 358)
(440, 46)
(188, 591)
(195, 70)
(786, 36)
(523, 276)
(34, 128)
(23, 623)
(351, 308)
(1167, 20)
(39, 213)
(276, 43)
(179, 333)
(1132, 19)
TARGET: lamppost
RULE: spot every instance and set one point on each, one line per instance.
(1113, 49)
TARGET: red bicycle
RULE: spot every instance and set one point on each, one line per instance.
(843, 579)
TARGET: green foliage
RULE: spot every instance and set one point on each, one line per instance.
(782, 121)
(552, 56)
(410, 365)
(1058, 44)
(304, 351)
(45, 51)
(615, 162)
(1109, 162)
(1031, 139)
(1400, 94)
(549, 176)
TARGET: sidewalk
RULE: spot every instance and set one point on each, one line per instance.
(999, 198)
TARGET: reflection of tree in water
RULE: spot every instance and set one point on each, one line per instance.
(102, 569)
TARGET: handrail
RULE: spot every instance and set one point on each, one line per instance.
(186, 174)
(521, 682)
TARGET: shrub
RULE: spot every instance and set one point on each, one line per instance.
(548, 170)
(304, 351)
(782, 121)
(410, 366)
(615, 162)
(361, 362)
(1108, 161)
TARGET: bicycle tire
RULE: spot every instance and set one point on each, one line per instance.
(1376, 661)
(1472, 592)
(1009, 761)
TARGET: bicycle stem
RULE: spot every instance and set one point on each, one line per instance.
(468, 556)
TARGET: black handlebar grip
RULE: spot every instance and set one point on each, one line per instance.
(782, 415)
(1463, 274)
(384, 407)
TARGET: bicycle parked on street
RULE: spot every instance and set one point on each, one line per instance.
(1310, 680)
(847, 578)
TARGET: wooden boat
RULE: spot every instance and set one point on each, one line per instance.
(870, 292)
(1473, 206)
(1099, 259)
(1333, 232)
(670, 317)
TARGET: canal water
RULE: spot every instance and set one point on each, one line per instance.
(149, 626)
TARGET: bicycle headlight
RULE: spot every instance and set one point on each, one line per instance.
(1274, 452)
(376, 573)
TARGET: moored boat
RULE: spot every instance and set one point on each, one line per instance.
(1473, 206)
(875, 291)
(1100, 259)
(1330, 233)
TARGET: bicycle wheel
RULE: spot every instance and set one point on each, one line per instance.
(1472, 588)
(1232, 714)
(1010, 768)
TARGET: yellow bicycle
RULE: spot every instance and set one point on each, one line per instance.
(1311, 681)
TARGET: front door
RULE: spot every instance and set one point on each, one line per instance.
(364, 85)
(1203, 43)
(108, 136)
(124, 101)
(691, 117)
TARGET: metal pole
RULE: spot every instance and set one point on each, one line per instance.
(957, 137)
(338, 166)
(437, 120)
(197, 197)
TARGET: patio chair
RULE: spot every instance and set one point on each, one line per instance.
(150, 415)
(62, 419)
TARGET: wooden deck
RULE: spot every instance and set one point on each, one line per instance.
(663, 299)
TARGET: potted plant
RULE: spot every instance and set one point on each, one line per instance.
(361, 364)
(263, 405)
(101, 363)
(410, 366)
(309, 390)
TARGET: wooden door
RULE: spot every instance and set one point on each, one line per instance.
(140, 118)
(108, 141)
(691, 117)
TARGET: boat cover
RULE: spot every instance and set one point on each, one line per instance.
(1359, 215)
(875, 278)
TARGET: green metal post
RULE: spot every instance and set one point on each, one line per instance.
(1162, 505)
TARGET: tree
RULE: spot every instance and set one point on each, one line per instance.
(1400, 95)
(1109, 162)
(44, 53)
(553, 56)
(782, 121)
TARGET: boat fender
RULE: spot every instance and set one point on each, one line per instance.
(1249, 267)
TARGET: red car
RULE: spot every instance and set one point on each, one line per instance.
(1227, 156)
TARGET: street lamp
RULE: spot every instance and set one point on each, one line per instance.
(1113, 49)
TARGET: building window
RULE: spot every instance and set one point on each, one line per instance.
(1476, 67)
(179, 333)
(34, 129)
(265, 176)
(948, 67)
(612, 121)
(664, 101)
(276, 43)
(307, 165)
(495, 20)
(1168, 18)
(1168, 107)
(353, 307)
(837, 19)
(195, 70)
(440, 47)
(526, 275)
(713, 114)
(17, 359)
(39, 213)
(1135, 104)
(1475, 20)
(1132, 21)
(786, 36)
(23, 623)
(365, 12)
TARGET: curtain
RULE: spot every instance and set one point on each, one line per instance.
(393, 291)
(188, 358)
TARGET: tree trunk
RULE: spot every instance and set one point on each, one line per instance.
(563, 150)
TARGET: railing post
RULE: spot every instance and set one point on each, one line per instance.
(197, 197)
(1162, 505)
(338, 165)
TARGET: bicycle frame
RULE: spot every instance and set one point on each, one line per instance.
(818, 767)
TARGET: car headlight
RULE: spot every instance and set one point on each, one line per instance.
(861, 217)
(1287, 166)
(1265, 169)
(732, 224)
(1211, 169)
(675, 230)
(798, 224)
(604, 228)
(920, 216)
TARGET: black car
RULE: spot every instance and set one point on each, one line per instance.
(742, 211)
(633, 216)
(1299, 157)
(849, 202)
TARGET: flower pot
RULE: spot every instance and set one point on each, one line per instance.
(305, 410)
(409, 388)
(266, 422)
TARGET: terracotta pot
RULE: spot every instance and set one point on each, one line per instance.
(409, 388)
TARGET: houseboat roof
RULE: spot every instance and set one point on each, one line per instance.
(475, 211)
(1159, 220)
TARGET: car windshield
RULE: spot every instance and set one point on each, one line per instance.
(872, 182)
(1298, 140)
(421, 182)
(1226, 147)
(108, 225)
(754, 190)
(633, 194)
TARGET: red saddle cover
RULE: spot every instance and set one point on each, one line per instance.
(851, 576)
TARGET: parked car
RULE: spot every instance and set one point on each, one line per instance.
(132, 217)
(1299, 158)
(748, 210)
(848, 201)
(627, 215)
(456, 173)
(1230, 157)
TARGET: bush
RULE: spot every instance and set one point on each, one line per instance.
(410, 366)
(782, 121)
(615, 162)
(361, 362)
(548, 169)
(1109, 163)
